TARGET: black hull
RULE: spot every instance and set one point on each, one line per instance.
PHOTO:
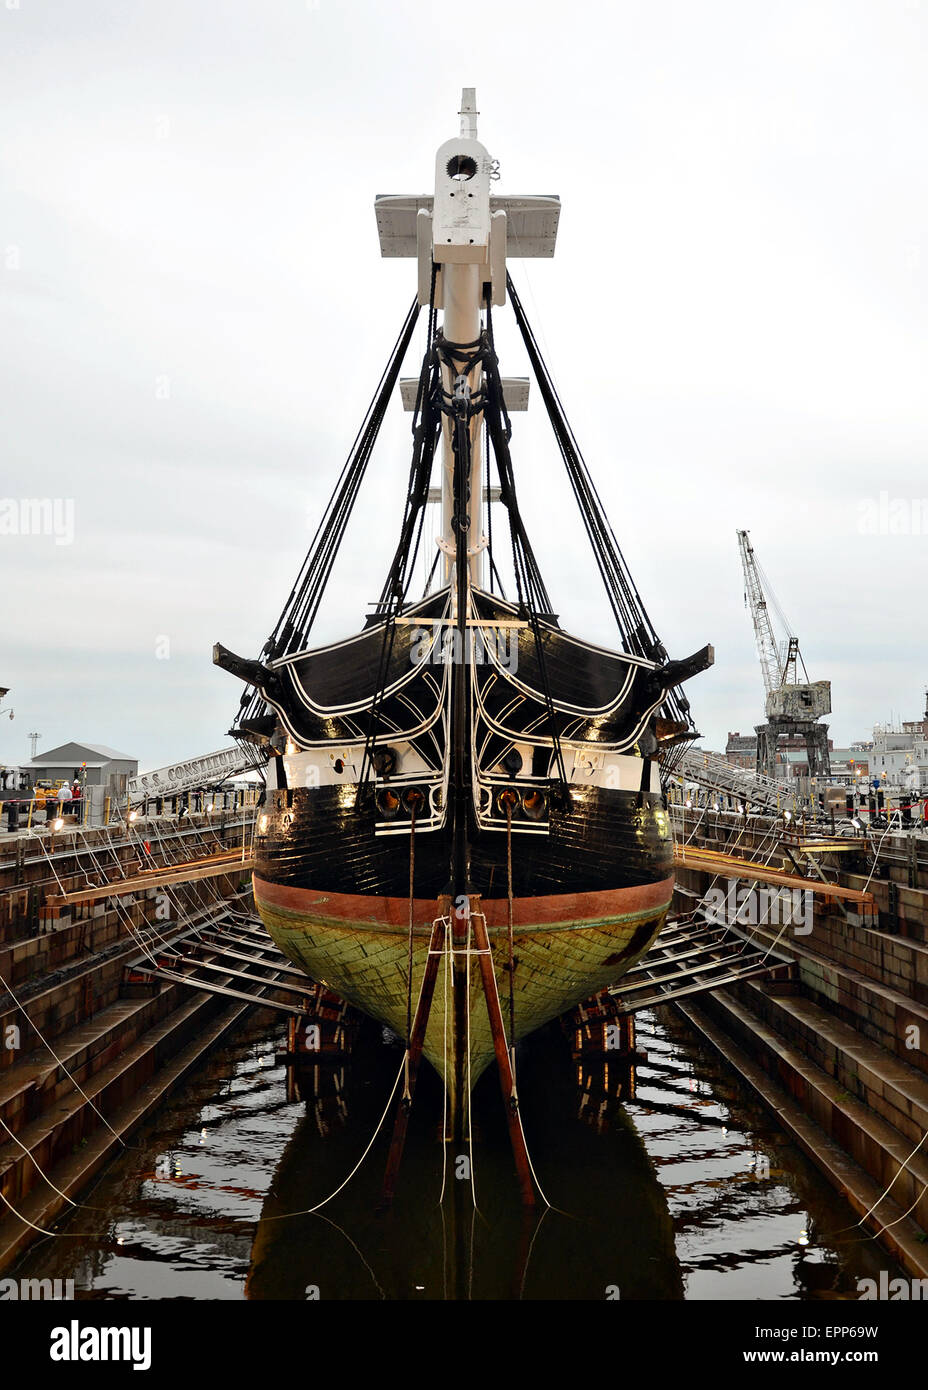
(602, 839)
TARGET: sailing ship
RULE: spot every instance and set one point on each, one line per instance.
(463, 796)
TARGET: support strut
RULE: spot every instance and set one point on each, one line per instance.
(416, 1041)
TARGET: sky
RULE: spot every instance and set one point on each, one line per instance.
(195, 315)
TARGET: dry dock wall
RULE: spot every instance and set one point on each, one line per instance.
(85, 1055)
(840, 1051)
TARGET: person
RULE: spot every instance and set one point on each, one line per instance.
(64, 799)
(76, 798)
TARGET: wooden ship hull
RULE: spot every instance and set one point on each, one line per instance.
(567, 946)
(464, 831)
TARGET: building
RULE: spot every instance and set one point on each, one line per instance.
(741, 750)
(792, 756)
(846, 763)
(899, 756)
(91, 764)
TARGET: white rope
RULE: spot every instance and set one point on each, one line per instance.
(470, 1132)
(29, 1154)
(18, 1214)
(876, 1235)
(75, 1083)
(56, 1235)
(446, 971)
(876, 852)
(328, 1220)
(696, 827)
(893, 1183)
(284, 1216)
(528, 1258)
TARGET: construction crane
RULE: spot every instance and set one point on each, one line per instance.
(793, 707)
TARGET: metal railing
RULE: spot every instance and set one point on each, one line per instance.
(714, 774)
(23, 814)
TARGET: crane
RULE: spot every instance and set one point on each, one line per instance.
(793, 707)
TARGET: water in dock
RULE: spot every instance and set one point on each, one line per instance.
(686, 1192)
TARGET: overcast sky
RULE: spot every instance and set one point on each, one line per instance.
(195, 314)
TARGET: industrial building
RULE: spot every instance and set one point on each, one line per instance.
(91, 764)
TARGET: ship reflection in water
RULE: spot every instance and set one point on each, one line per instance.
(683, 1192)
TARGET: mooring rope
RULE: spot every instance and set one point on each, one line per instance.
(29, 1154)
(878, 849)
(407, 1096)
(446, 982)
(74, 1082)
(308, 1211)
(56, 1235)
(887, 1191)
(470, 1131)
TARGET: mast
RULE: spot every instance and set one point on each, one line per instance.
(461, 237)
(460, 250)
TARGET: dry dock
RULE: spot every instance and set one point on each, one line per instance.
(88, 1046)
(838, 1051)
(834, 1044)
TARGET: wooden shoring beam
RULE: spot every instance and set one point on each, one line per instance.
(503, 1059)
(719, 963)
(207, 988)
(703, 987)
(279, 963)
(155, 878)
(416, 1041)
(734, 866)
(221, 968)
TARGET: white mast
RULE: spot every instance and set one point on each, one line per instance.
(460, 233)
(461, 249)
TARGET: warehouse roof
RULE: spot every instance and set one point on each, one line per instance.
(93, 754)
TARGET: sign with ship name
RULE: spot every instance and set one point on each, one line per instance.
(196, 772)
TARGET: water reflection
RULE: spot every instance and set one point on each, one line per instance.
(616, 1235)
(684, 1190)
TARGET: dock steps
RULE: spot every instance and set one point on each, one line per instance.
(75, 1171)
(903, 1238)
(880, 1008)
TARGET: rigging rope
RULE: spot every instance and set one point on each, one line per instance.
(532, 594)
(299, 612)
(425, 434)
(638, 634)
